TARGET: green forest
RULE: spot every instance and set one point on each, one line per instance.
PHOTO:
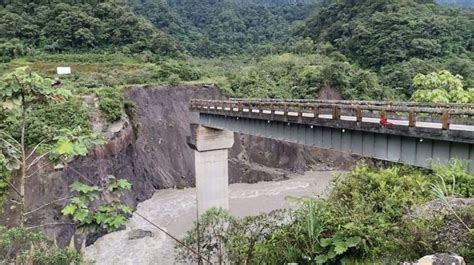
(406, 50)
(370, 46)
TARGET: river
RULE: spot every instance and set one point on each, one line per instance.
(175, 211)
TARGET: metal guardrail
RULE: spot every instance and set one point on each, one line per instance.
(442, 114)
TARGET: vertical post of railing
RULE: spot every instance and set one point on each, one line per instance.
(358, 114)
(336, 113)
(300, 111)
(445, 120)
(285, 111)
(412, 118)
(316, 111)
(239, 107)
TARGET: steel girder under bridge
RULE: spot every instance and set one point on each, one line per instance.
(419, 133)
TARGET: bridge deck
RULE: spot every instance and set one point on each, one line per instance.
(419, 133)
(455, 120)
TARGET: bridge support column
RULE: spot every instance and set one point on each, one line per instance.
(212, 166)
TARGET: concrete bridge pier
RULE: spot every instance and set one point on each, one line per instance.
(211, 147)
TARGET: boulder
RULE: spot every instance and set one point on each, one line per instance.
(441, 259)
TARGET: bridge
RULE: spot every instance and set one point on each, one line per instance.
(419, 134)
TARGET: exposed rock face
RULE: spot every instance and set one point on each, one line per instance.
(451, 235)
(437, 207)
(158, 158)
(330, 93)
(164, 158)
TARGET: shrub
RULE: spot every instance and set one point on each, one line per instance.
(10, 49)
(22, 246)
(214, 228)
(371, 203)
(110, 103)
(185, 71)
(174, 80)
(467, 251)
(46, 120)
(362, 221)
(456, 177)
(98, 209)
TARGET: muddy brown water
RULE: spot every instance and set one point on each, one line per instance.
(175, 211)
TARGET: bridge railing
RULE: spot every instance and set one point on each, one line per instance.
(363, 102)
(440, 116)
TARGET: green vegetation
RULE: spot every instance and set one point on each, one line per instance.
(364, 50)
(107, 26)
(441, 87)
(20, 92)
(455, 179)
(364, 220)
(110, 103)
(213, 28)
(44, 121)
(22, 246)
(38, 118)
(397, 39)
(77, 142)
(293, 76)
(357, 50)
(93, 215)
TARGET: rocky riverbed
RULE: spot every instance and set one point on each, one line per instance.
(175, 211)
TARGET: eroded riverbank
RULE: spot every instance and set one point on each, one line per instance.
(175, 211)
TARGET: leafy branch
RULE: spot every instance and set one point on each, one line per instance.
(110, 213)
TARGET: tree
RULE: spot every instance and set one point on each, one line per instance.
(209, 236)
(377, 33)
(21, 90)
(79, 27)
(224, 239)
(441, 87)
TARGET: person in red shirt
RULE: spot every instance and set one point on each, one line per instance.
(383, 120)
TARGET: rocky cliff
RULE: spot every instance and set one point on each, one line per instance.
(157, 157)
